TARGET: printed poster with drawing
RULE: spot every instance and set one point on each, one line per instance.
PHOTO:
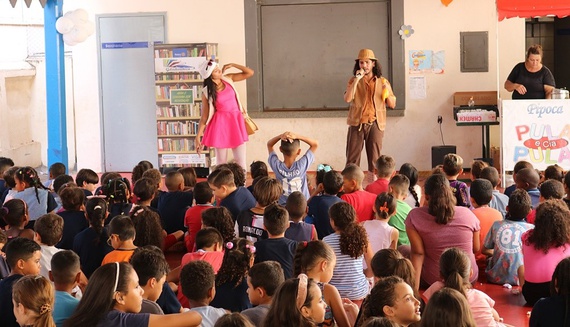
(426, 61)
(537, 131)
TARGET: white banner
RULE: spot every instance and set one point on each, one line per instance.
(178, 65)
(537, 131)
(191, 158)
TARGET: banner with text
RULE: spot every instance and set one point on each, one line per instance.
(537, 131)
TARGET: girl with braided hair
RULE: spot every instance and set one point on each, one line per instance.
(30, 189)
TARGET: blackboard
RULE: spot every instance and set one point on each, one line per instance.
(307, 50)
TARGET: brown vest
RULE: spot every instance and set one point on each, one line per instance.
(356, 105)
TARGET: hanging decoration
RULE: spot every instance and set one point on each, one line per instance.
(75, 26)
(406, 31)
(446, 2)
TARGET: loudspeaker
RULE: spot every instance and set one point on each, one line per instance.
(438, 152)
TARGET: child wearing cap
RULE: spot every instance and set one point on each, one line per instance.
(220, 96)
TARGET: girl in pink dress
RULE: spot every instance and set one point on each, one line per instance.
(222, 123)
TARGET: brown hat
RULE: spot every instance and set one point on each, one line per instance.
(366, 54)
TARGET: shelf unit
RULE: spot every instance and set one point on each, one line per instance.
(178, 105)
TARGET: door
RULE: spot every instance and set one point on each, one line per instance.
(126, 80)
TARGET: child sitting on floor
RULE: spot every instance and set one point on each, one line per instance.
(399, 186)
(204, 197)
(263, 280)
(453, 167)
(122, 236)
(209, 248)
(298, 230)
(151, 267)
(384, 169)
(173, 204)
(231, 280)
(499, 200)
(249, 222)
(199, 286)
(291, 172)
(503, 241)
(380, 234)
(528, 179)
(235, 198)
(319, 205)
(455, 270)
(65, 275)
(277, 247)
(361, 200)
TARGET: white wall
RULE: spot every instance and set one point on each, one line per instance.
(408, 139)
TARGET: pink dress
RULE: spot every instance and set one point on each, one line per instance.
(226, 129)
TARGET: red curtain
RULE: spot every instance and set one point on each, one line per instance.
(532, 8)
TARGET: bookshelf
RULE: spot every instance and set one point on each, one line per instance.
(178, 95)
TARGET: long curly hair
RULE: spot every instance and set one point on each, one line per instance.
(353, 237)
(221, 219)
(236, 263)
(148, 228)
(441, 199)
(551, 227)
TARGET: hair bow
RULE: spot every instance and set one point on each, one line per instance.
(326, 168)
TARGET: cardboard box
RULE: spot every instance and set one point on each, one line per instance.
(480, 98)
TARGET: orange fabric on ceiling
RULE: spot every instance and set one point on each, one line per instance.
(532, 8)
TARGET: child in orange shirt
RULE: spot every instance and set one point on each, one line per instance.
(122, 236)
(481, 192)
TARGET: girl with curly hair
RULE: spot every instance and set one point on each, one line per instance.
(543, 248)
(350, 245)
(231, 280)
(221, 219)
(437, 226)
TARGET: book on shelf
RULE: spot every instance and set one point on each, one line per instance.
(182, 110)
(176, 128)
(178, 94)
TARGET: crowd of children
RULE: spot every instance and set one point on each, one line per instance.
(282, 252)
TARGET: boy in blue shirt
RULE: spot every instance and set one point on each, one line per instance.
(503, 241)
(319, 205)
(235, 198)
(65, 274)
(173, 204)
(277, 247)
(291, 172)
(528, 179)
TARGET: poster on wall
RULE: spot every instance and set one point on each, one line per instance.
(537, 131)
(426, 61)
